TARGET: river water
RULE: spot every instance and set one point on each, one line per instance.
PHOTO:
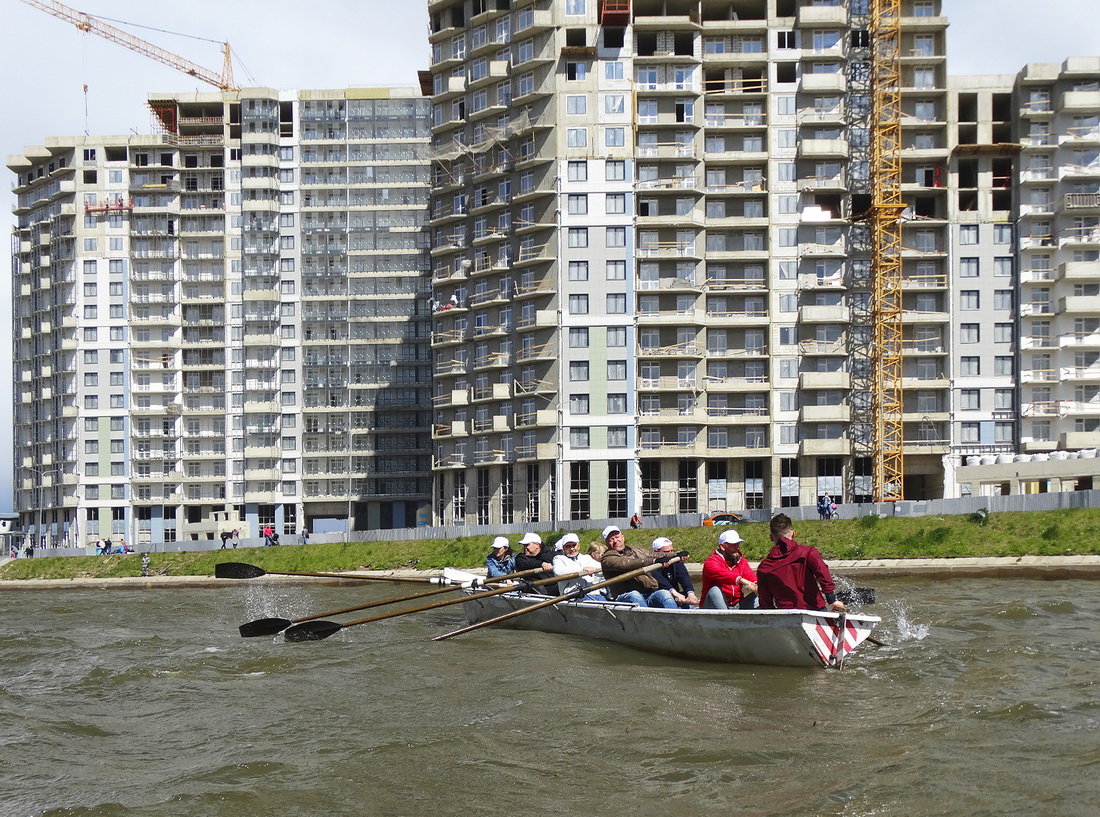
(147, 702)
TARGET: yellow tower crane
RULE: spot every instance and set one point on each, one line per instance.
(886, 262)
(87, 23)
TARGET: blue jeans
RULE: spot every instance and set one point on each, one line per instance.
(633, 597)
(662, 598)
(714, 600)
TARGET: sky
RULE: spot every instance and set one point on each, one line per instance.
(285, 44)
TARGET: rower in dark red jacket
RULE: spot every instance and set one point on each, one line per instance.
(794, 576)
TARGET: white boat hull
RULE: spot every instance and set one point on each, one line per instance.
(785, 638)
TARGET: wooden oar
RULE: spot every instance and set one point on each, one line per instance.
(271, 626)
(578, 592)
(240, 570)
(316, 630)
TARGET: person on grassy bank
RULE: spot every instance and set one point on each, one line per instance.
(794, 576)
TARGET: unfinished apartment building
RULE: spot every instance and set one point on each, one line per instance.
(223, 325)
(650, 290)
(1058, 109)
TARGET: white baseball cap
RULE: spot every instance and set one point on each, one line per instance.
(528, 538)
(569, 537)
(662, 542)
(729, 537)
(501, 542)
(610, 529)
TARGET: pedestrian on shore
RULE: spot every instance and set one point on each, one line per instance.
(236, 538)
(794, 576)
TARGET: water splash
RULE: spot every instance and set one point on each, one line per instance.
(907, 628)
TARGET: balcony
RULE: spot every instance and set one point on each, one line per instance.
(830, 83)
(1080, 304)
(824, 314)
(1075, 440)
(824, 380)
(839, 447)
(825, 414)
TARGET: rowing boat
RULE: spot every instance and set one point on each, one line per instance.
(785, 638)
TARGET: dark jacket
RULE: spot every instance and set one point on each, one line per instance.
(674, 577)
(525, 562)
(617, 562)
(793, 577)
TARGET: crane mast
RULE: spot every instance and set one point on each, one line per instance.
(87, 23)
(886, 249)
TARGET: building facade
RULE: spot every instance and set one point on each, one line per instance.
(651, 276)
(224, 325)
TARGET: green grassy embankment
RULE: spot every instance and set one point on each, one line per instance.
(1043, 533)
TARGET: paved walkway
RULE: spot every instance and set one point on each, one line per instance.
(1038, 567)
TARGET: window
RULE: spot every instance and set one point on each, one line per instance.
(1003, 333)
(970, 399)
(616, 270)
(578, 337)
(615, 170)
(614, 103)
(616, 304)
(579, 438)
(578, 304)
(578, 236)
(970, 300)
(616, 336)
(1004, 299)
(1004, 365)
(1003, 267)
(615, 237)
(970, 333)
(614, 137)
(970, 366)
(968, 234)
(576, 71)
(616, 404)
(578, 270)
(578, 371)
(1002, 399)
(576, 137)
(616, 370)
(1002, 233)
(616, 437)
(968, 267)
(969, 432)
(578, 171)
(615, 203)
(576, 104)
(578, 204)
(578, 404)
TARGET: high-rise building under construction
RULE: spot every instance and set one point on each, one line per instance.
(224, 325)
(651, 258)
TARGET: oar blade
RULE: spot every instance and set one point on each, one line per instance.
(857, 595)
(237, 570)
(264, 626)
(312, 630)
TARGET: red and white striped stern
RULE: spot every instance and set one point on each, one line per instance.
(835, 635)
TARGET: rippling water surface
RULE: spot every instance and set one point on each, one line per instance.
(147, 702)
